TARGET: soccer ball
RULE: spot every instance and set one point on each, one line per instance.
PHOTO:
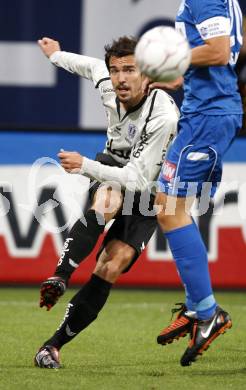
(163, 54)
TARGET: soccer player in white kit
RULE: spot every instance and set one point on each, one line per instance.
(140, 128)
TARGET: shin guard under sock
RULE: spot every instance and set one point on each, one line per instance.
(79, 244)
(191, 260)
(81, 310)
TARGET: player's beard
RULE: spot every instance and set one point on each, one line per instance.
(123, 93)
(125, 97)
(128, 96)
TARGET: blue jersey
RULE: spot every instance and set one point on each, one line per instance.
(211, 90)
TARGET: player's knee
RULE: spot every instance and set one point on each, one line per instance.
(113, 268)
(169, 222)
(108, 271)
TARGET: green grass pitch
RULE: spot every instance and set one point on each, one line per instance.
(119, 350)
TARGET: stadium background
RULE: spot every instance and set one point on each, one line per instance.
(43, 110)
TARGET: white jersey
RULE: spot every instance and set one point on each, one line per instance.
(138, 138)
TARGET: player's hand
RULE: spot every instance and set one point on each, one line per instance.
(49, 46)
(51, 290)
(70, 161)
(149, 85)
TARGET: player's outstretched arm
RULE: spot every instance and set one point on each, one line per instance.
(49, 46)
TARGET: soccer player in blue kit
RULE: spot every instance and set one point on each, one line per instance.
(211, 116)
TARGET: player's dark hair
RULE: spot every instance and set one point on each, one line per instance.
(124, 46)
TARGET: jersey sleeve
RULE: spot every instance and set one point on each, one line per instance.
(88, 67)
(202, 9)
(211, 20)
(145, 160)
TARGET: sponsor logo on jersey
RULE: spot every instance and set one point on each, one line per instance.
(141, 145)
(124, 154)
(168, 170)
(107, 90)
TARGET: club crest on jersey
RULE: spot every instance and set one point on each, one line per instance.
(132, 129)
(168, 170)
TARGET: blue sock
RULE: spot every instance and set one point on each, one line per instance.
(190, 255)
(189, 304)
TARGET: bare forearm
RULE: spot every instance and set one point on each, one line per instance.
(215, 52)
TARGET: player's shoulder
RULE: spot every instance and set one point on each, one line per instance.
(161, 94)
(104, 84)
(201, 11)
(161, 101)
(201, 3)
(103, 81)
(100, 70)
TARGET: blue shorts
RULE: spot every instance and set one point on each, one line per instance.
(193, 164)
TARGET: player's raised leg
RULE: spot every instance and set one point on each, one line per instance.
(80, 242)
(85, 306)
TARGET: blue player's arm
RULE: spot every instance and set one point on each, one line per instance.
(214, 52)
(148, 85)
